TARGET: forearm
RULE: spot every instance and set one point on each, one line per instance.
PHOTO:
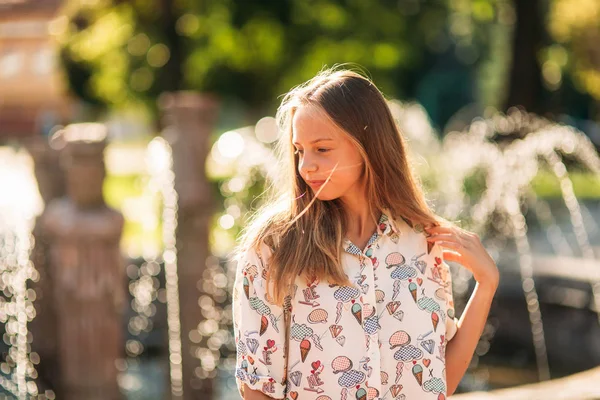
(460, 349)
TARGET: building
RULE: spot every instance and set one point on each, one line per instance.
(33, 90)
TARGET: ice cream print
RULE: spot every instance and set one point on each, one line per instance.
(382, 337)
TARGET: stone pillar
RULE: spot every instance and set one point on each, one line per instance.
(87, 271)
(188, 121)
(51, 185)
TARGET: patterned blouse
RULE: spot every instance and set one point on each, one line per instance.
(384, 337)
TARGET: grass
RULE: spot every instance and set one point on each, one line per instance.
(585, 185)
(545, 185)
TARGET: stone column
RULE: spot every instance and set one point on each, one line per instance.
(87, 270)
(188, 121)
(51, 185)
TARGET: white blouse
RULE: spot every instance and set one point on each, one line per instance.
(384, 337)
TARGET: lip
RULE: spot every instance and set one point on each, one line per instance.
(316, 183)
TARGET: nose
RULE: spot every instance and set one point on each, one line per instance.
(307, 166)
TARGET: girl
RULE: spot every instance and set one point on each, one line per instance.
(342, 289)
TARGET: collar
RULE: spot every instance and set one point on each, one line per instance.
(385, 226)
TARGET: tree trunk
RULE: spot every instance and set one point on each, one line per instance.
(525, 84)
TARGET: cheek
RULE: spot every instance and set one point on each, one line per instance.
(351, 179)
(346, 175)
(349, 170)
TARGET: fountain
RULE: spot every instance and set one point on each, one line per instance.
(500, 213)
(507, 151)
(504, 214)
(20, 203)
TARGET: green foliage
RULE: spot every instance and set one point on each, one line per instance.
(117, 189)
(575, 25)
(585, 185)
(545, 184)
(129, 190)
(127, 53)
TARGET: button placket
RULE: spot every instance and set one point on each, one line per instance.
(374, 380)
(366, 282)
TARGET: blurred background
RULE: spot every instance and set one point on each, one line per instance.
(137, 135)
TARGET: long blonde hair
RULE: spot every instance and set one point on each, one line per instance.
(304, 233)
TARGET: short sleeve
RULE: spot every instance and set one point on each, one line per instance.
(259, 328)
(446, 278)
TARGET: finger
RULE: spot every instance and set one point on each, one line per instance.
(460, 236)
(441, 235)
(449, 229)
(456, 257)
(450, 255)
(440, 229)
(447, 237)
(451, 245)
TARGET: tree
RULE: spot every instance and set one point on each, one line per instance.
(124, 53)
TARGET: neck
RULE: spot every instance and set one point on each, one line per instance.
(359, 221)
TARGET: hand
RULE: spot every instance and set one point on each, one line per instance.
(466, 249)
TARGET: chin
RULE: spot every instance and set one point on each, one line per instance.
(325, 195)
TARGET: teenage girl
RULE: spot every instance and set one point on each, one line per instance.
(342, 288)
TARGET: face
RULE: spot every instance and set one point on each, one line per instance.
(320, 145)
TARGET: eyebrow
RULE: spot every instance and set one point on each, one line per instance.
(316, 140)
